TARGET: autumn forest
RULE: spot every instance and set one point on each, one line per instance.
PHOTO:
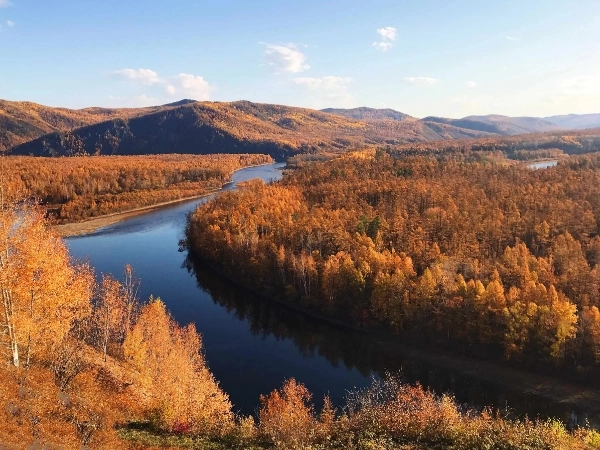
(416, 231)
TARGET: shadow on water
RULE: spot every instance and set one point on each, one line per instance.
(368, 354)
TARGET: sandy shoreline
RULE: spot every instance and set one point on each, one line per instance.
(91, 225)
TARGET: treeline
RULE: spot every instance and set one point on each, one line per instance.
(74, 189)
(521, 147)
(86, 365)
(494, 260)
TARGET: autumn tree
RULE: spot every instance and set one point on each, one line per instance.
(182, 394)
(43, 293)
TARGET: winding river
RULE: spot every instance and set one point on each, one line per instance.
(253, 345)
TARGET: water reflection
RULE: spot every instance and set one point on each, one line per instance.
(371, 355)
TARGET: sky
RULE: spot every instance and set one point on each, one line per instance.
(446, 58)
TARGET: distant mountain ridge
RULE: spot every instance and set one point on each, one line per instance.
(492, 123)
(230, 127)
(189, 126)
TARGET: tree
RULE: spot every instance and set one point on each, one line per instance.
(287, 416)
(43, 293)
(182, 393)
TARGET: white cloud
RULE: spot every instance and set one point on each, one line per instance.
(382, 46)
(327, 91)
(387, 33)
(144, 100)
(286, 58)
(327, 83)
(187, 85)
(420, 81)
(470, 84)
(145, 76)
(512, 38)
(132, 102)
(5, 3)
(580, 84)
(181, 85)
(10, 23)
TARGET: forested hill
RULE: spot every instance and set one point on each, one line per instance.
(492, 123)
(23, 121)
(237, 127)
(364, 113)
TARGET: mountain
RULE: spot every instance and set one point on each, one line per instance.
(189, 126)
(22, 121)
(364, 113)
(503, 125)
(575, 121)
(493, 123)
(236, 127)
(510, 126)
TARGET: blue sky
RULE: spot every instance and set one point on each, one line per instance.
(448, 58)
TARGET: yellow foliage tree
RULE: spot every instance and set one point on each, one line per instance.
(182, 394)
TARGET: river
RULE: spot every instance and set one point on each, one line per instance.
(253, 345)
(542, 164)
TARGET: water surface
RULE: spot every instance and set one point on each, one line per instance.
(252, 345)
(542, 164)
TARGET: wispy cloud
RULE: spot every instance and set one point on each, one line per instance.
(420, 81)
(512, 38)
(129, 102)
(145, 76)
(470, 84)
(580, 84)
(285, 58)
(328, 82)
(180, 85)
(329, 90)
(382, 46)
(388, 35)
(10, 23)
(5, 3)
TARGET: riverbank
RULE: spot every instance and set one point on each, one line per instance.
(90, 226)
(545, 388)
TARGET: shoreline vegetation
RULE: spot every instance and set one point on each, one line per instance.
(509, 377)
(113, 372)
(82, 194)
(307, 246)
(92, 225)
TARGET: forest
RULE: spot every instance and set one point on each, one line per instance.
(87, 364)
(473, 253)
(522, 147)
(78, 188)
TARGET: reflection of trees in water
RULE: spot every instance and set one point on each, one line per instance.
(366, 353)
(310, 336)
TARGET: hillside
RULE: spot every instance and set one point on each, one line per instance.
(492, 123)
(519, 125)
(576, 121)
(364, 113)
(23, 121)
(237, 127)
